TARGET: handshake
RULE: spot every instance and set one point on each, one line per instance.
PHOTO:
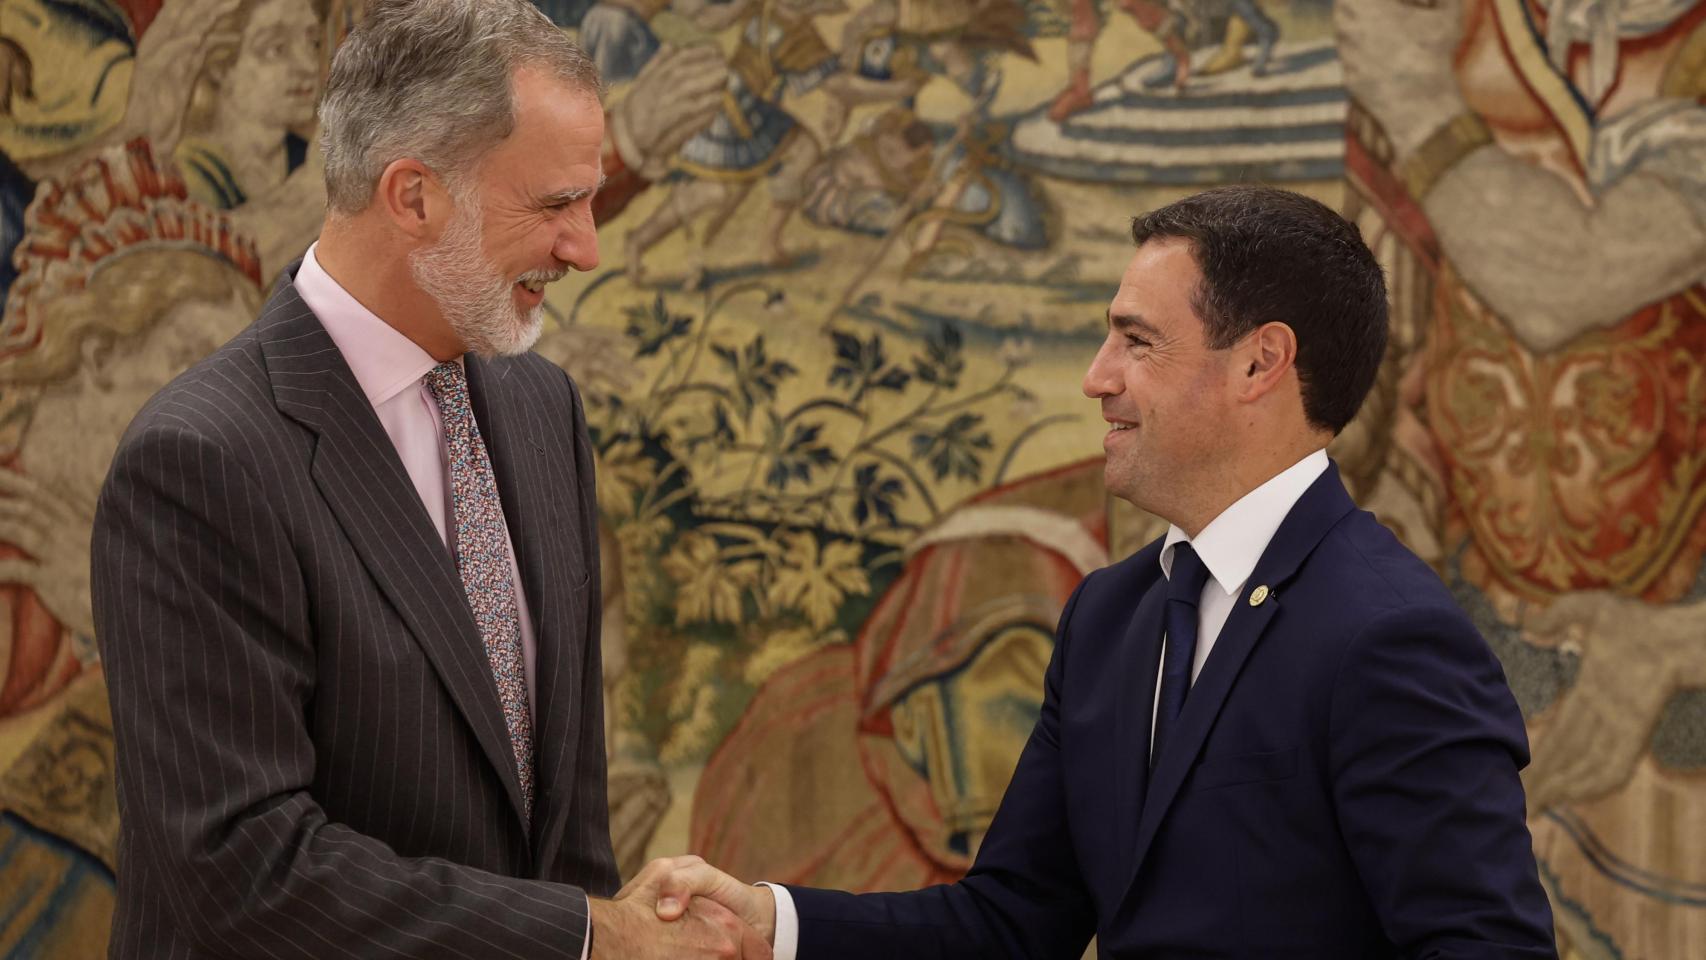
(684, 907)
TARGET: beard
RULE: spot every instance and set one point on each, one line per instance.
(471, 291)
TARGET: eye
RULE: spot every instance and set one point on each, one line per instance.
(1134, 340)
(561, 204)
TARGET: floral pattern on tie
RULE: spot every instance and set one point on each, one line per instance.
(483, 558)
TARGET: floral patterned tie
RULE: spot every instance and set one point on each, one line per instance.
(482, 556)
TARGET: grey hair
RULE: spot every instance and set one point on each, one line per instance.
(431, 80)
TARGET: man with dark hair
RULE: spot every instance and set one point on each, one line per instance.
(1270, 733)
(342, 566)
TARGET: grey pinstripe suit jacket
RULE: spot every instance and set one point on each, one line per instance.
(312, 759)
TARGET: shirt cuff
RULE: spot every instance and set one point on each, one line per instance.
(586, 942)
(787, 924)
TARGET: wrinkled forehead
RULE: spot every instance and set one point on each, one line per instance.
(1160, 283)
(558, 134)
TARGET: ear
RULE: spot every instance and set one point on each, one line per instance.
(414, 199)
(1266, 358)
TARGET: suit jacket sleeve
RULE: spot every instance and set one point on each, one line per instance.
(1023, 898)
(1426, 743)
(204, 628)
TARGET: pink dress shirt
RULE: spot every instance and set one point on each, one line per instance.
(389, 368)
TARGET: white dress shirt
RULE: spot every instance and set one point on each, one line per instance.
(1229, 546)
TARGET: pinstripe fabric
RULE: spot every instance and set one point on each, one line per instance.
(312, 758)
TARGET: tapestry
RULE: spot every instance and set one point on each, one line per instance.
(832, 360)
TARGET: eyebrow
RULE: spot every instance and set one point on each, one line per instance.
(571, 195)
(1132, 323)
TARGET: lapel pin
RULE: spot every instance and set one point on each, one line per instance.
(1258, 595)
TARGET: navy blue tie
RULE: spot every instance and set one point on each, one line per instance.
(1184, 589)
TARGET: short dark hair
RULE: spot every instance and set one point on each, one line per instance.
(1269, 255)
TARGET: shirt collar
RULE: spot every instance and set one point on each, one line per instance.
(384, 361)
(1233, 542)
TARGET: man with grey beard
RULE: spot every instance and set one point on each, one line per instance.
(342, 567)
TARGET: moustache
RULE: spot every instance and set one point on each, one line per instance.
(541, 277)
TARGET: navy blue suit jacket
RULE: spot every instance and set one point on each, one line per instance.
(1342, 782)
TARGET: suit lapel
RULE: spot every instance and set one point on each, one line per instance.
(1243, 628)
(1141, 661)
(516, 456)
(1320, 507)
(540, 533)
(357, 471)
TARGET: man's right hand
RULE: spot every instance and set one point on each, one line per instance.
(631, 928)
(683, 884)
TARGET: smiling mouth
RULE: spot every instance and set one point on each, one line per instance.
(1116, 427)
(535, 281)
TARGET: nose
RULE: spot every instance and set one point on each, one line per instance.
(1102, 379)
(577, 244)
